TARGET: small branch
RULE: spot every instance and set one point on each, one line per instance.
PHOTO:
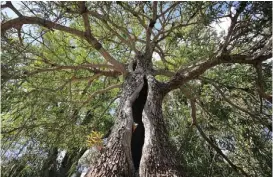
(130, 43)
(93, 65)
(169, 31)
(89, 84)
(73, 79)
(193, 112)
(259, 83)
(229, 101)
(27, 127)
(135, 14)
(246, 89)
(107, 108)
(166, 33)
(217, 149)
(267, 46)
(10, 5)
(162, 55)
(102, 91)
(254, 116)
(106, 20)
(169, 8)
(233, 166)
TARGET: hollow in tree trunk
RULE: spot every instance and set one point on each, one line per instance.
(144, 150)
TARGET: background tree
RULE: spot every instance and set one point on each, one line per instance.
(200, 96)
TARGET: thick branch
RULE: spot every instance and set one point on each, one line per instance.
(192, 71)
(51, 25)
(3, 6)
(86, 67)
(83, 10)
(150, 28)
(93, 41)
(10, 5)
(232, 27)
(163, 72)
(39, 21)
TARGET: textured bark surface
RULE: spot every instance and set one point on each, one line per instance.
(158, 157)
(116, 159)
(145, 152)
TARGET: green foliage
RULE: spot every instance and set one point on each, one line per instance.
(245, 139)
(53, 96)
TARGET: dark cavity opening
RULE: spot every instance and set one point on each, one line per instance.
(134, 65)
(138, 133)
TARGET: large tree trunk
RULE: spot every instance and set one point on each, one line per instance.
(145, 151)
(158, 157)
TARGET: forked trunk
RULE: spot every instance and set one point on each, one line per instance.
(144, 151)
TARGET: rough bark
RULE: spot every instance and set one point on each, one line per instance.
(158, 157)
(146, 151)
(117, 158)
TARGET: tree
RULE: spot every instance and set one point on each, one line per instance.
(63, 60)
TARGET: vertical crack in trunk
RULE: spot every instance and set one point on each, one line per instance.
(138, 129)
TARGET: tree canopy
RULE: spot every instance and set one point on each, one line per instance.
(63, 64)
